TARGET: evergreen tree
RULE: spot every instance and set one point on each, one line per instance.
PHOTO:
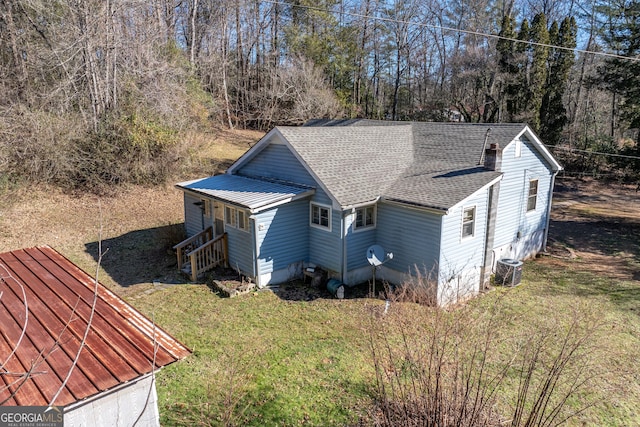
(553, 114)
(506, 48)
(539, 36)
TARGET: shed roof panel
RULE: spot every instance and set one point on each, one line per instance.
(47, 308)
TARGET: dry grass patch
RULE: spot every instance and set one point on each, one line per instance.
(73, 224)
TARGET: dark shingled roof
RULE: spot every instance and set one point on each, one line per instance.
(354, 163)
(427, 164)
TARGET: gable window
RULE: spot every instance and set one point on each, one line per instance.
(532, 199)
(321, 216)
(468, 221)
(365, 217)
(518, 148)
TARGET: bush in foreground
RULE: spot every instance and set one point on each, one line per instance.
(438, 367)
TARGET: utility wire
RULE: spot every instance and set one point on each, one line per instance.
(458, 30)
(624, 156)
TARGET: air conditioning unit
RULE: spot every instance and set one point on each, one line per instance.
(508, 272)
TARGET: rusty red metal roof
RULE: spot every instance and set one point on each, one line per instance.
(45, 310)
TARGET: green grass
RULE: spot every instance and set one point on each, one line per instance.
(262, 360)
(284, 362)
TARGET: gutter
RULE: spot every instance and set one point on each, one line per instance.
(343, 233)
(359, 205)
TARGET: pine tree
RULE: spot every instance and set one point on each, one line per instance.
(506, 48)
(539, 36)
(553, 114)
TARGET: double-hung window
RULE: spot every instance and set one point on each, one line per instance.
(321, 216)
(532, 199)
(468, 221)
(365, 217)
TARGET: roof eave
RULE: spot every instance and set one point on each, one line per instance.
(252, 208)
(555, 166)
(413, 205)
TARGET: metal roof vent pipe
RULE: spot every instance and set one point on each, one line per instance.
(493, 157)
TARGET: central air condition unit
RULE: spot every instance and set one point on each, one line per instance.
(508, 272)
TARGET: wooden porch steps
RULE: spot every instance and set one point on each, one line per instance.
(201, 253)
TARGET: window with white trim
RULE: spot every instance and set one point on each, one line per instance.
(243, 220)
(236, 218)
(230, 215)
(365, 217)
(532, 199)
(321, 216)
(468, 221)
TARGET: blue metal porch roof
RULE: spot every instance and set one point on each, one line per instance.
(250, 193)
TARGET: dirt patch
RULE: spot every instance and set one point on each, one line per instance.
(134, 230)
(596, 227)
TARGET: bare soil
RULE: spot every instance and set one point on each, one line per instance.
(596, 227)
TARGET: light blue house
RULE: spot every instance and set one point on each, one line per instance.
(447, 199)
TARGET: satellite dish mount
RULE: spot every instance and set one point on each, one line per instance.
(376, 257)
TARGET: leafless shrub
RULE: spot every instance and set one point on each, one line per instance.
(437, 367)
(419, 289)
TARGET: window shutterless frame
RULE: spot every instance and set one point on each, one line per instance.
(320, 216)
(532, 198)
(365, 218)
(468, 222)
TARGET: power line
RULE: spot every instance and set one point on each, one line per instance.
(458, 30)
(624, 156)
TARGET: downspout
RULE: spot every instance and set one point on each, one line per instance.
(550, 200)
(492, 161)
(343, 232)
(255, 250)
(489, 255)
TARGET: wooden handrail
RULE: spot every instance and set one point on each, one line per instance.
(186, 246)
(209, 255)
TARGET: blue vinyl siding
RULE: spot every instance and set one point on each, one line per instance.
(321, 247)
(193, 216)
(325, 247)
(461, 257)
(240, 249)
(512, 216)
(283, 234)
(278, 162)
(358, 243)
(412, 235)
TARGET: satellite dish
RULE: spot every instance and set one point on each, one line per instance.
(375, 255)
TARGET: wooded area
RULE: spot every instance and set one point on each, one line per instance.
(92, 90)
